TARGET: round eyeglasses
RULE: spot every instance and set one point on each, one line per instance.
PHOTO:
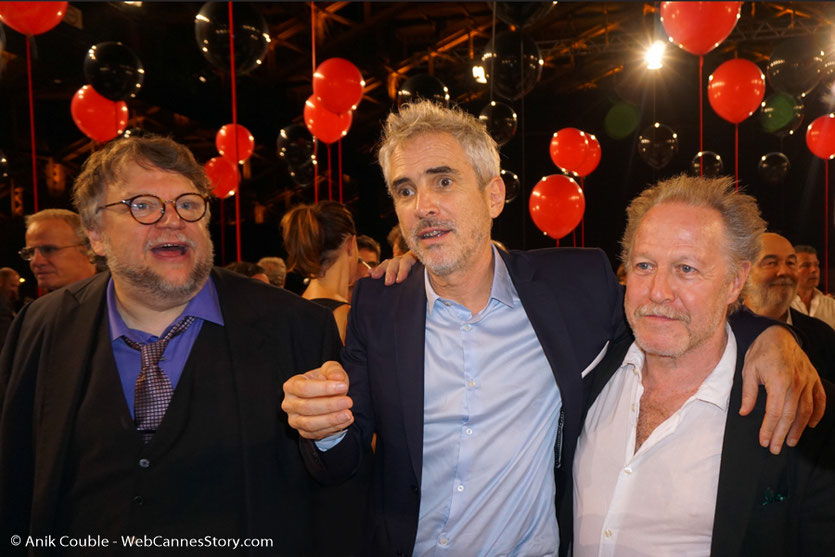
(149, 209)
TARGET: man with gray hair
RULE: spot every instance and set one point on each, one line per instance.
(809, 299)
(275, 268)
(57, 248)
(470, 371)
(141, 402)
(664, 464)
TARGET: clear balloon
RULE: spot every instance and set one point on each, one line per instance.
(512, 185)
(736, 89)
(423, 86)
(225, 143)
(513, 63)
(223, 176)
(500, 120)
(32, 18)
(114, 71)
(211, 29)
(522, 14)
(781, 114)
(97, 117)
(796, 66)
(707, 164)
(657, 145)
(621, 120)
(295, 145)
(699, 27)
(303, 175)
(323, 124)
(556, 205)
(773, 168)
(338, 83)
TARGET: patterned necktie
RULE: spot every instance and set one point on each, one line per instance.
(153, 389)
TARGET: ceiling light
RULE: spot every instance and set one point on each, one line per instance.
(655, 55)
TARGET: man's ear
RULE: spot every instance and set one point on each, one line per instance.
(738, 280)
(96, 242)
(496, 196)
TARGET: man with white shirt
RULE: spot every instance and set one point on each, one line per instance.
(809, 299)
(664, 464)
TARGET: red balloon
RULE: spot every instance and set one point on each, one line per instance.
(699, 27)
(32, 18)
(820, 136)
(223, 174)
(557, 205)
(99, 118)
(324, 124)
(569, 149)
(593, 158)
(736, 89)
(337, 84)
(225, 142)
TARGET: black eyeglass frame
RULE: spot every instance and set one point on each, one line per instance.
(163, 203)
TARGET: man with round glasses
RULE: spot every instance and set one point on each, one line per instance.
(57, 249)
(145, 400)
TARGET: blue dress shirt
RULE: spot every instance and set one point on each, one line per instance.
(491, 412)
(205, 306)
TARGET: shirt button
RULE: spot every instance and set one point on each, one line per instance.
(443, 541)
(460, 488)
(144, 463)
(634, 407)
(447, 304)
(471, 383)
(469, 431)
(607, 533)
(627, 470)
(467, 327)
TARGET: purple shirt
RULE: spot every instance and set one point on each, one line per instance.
(203, 307)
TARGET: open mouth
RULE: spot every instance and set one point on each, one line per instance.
(433, 233)
(170, 250)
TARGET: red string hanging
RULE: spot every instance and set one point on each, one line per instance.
(222, 232)
(235, 127)
(29, 40)
(701, 115)
(340, 171)
(826, 227)
(583, 220)
(330, 174)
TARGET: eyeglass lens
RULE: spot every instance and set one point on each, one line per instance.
(148, 209)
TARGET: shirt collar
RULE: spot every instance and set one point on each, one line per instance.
(716, 388)
(502, 289)
(204, 305)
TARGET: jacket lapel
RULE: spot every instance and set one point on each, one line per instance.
(408, 313)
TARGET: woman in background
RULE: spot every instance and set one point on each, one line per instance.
(321, 243)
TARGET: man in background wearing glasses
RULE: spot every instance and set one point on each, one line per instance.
(57, 249)
(145, 401)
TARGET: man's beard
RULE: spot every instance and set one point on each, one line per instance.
(777, 294)
(156, 285)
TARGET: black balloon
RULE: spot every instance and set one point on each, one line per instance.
(513, 64)
(522, 14)
(295, 145)
(512, 186)
(657, 145)
(4, 168)
(773, 168)
(136, 132)
(500, 120)
(795, 66)
(114, 71)
(708, 164)
(423, 86)
(211, 28)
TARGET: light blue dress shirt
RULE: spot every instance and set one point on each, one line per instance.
(491, 411)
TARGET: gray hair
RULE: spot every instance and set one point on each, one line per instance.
(71, 218)
(806, 249)
(744, 226)
(275, 268)
(103, 169)
(414, 119)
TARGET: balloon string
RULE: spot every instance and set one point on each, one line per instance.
(583, 218)
(340, 171)
(826, 226)
(701, 116)
(493, 55)
(736, 155)
(222, 232)
(235, 130)
(330, 173)
(313, 71)
(29, 40)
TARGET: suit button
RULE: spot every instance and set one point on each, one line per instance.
(144, 463)
(138, 501)
(414, 489)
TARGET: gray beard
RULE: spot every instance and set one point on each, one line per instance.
(157, 286)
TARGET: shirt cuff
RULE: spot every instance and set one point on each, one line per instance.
(330, 441)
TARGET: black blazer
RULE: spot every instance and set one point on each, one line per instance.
(575, 307)
(818, 341)
(271, 334)
(766, 505)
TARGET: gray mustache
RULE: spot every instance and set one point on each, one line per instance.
(660, 310)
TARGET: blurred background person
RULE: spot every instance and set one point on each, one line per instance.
(57, 248)
(369, 250)
(276, 270)
(9, 292)
(809, 299)
(247, 269)
(397, 242)
(321, 244)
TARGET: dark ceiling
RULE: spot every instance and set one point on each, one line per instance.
(591, 52)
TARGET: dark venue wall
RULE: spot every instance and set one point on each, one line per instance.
(592, 77)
